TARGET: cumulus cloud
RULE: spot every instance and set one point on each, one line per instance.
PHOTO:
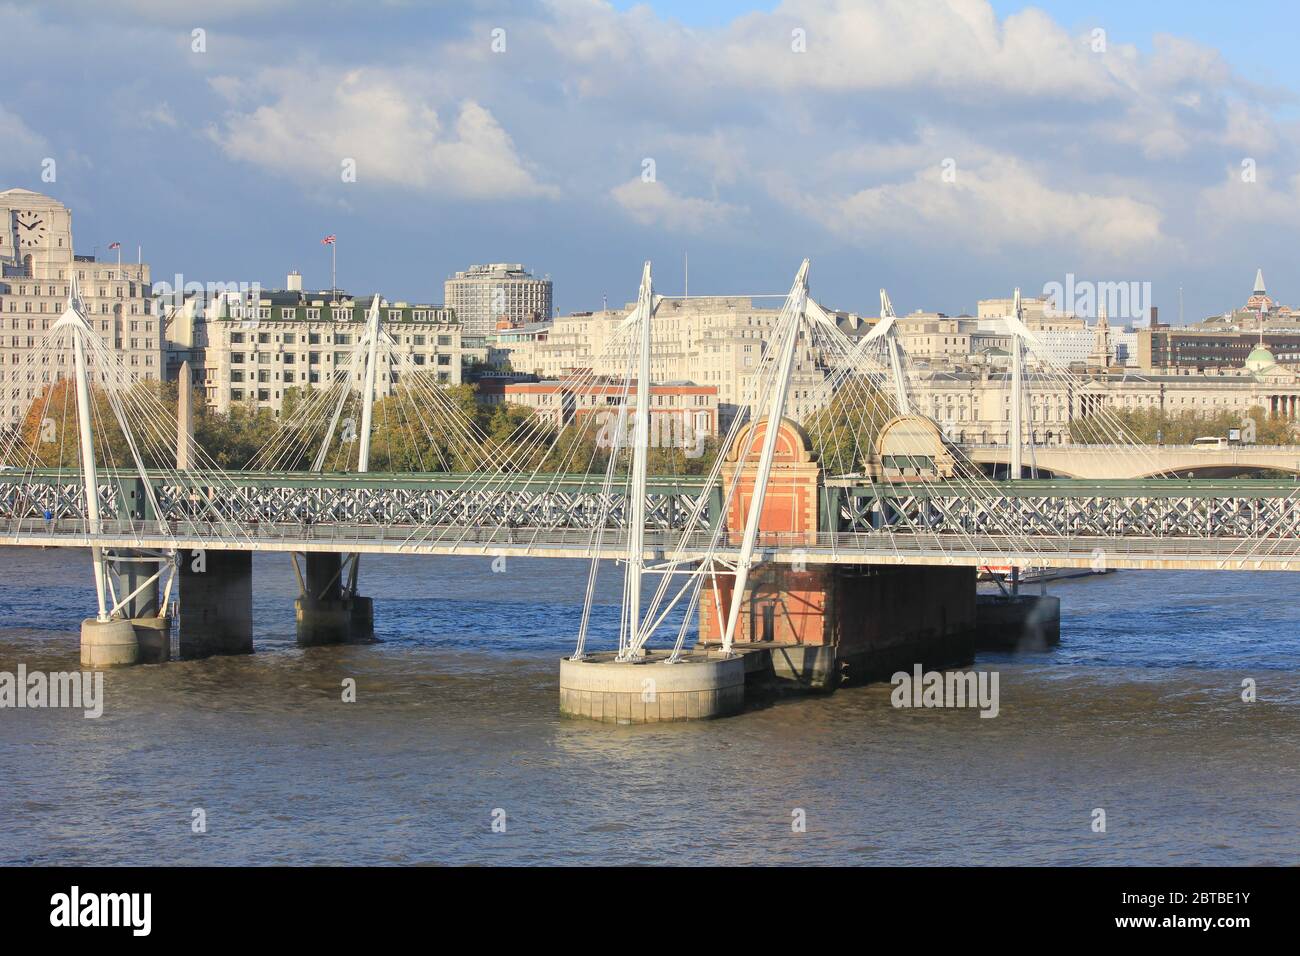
(24, 147)
(1062, 149)
(184, 11)
(159, 115)
(1251, 194)
(997, 204)
(316, 119)
(959, 46)
(654, 204)
(955, 45)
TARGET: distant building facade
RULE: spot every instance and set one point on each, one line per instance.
(715, 341)
(1224, 341)
(973, 405)
(259, 346)
(676, 408)
(37, 264)
(500, 293)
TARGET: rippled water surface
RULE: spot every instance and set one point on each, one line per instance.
(1138, 712)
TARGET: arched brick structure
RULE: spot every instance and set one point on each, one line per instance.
(820, 621)
(790, 504)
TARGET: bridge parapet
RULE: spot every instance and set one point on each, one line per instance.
(409, 504)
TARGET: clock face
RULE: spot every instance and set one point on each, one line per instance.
(31, 229)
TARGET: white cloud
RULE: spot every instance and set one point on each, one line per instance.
(654, 204)
(24, 148)
(995, 205)
(1272, 198)
(958, 46)
(1063, 153)
(196, 12)
(159, 115)
(317, 118)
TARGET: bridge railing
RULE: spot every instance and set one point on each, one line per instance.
(1115, 446)
(988, 548)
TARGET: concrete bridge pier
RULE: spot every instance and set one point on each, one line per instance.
(153, 633)
(325, 610)
(216, 603)
(1018, 622)
(136, 634)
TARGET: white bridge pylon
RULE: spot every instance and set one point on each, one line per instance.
(864, 390)
(1022, 340)
(769, 395)
(368, 348)
(74, 323)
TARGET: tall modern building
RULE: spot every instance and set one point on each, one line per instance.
(37, 263)
(501, 294)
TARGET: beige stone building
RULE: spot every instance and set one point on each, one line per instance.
(260, 345)
(708, 340)
(974, 405)
(676, 408)
(37, 263)
(958, 367)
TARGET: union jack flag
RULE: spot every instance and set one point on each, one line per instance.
(328, 240)
(115, 245)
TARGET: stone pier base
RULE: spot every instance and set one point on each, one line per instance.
(325, 615)
(323, 622)
(108, 644)
(363, 619)
(154, 636)
(696, 688)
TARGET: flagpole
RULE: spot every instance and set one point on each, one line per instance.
(334, 268)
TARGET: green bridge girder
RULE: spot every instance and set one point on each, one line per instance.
(844, 500)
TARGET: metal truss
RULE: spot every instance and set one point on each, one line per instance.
(425, 506)
(63, 498)
(1136, 510)
(1065, 515)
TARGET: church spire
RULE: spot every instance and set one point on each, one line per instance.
(1259, 282)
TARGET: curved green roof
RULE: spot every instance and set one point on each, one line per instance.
(1260, 358)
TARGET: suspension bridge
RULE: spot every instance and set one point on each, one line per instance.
(834, 547)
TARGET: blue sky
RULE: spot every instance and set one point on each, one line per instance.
(1119, 164)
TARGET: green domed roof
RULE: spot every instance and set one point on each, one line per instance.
(1260, 359)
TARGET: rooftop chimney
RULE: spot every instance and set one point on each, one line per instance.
(294, 282)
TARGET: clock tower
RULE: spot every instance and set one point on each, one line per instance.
(35, 235)
(37, 267)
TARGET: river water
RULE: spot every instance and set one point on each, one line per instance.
(1138, 712)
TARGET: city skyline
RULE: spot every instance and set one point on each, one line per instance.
(225, 162)
(616, 434)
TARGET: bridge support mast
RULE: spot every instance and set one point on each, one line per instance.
(783, 350)
(328, 608)
(106, 641)
(1017, 396)
(633, 650)
(889, 329)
